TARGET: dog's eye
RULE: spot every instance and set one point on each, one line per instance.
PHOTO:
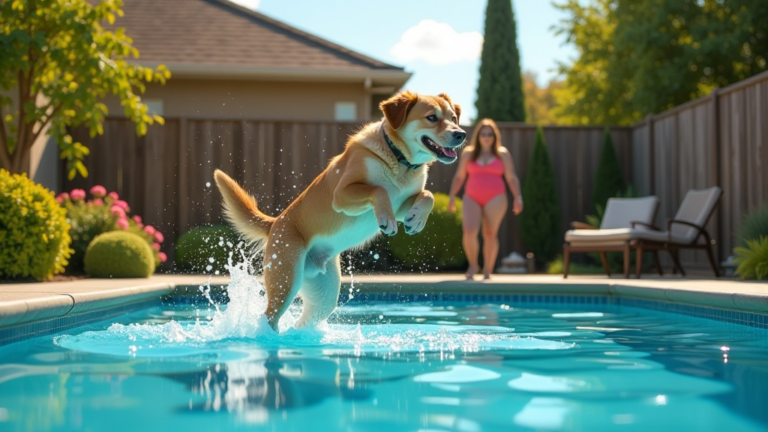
(432, 118)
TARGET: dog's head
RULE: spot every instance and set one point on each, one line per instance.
(427, 125)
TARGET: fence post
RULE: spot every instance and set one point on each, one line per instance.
(183, 197)
(717, 169)
(651, 155)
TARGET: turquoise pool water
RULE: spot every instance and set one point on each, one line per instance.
(391, 367)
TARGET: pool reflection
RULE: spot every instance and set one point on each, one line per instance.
(273, 384)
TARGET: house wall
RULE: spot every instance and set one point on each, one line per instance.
(235, 99)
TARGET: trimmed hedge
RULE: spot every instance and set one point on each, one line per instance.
(438, 245)
(34, 232)
(206, 249)
(119, 254)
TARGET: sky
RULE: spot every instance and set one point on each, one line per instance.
(439, 41)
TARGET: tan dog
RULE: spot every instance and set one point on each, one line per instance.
(378, 180)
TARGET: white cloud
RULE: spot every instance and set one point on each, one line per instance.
(437, 43)
(250, 4)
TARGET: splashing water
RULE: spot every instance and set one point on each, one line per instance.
(242, 326)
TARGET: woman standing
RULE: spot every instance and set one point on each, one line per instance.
(488, 165)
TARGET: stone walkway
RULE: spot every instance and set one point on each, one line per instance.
(29, 302)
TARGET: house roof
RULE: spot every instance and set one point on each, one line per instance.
(208, 38)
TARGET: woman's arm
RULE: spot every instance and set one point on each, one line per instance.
(512, 181)
(459, 178)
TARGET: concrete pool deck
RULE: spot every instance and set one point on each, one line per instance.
(30, 302)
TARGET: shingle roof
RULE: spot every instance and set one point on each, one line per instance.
(220, 33)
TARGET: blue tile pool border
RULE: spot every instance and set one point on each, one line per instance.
(55, 325)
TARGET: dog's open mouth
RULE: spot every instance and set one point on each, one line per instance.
(444, 154)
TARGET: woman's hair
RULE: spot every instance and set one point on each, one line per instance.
(475, 141)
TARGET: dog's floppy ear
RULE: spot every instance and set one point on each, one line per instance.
(396, 108)
(456, 107)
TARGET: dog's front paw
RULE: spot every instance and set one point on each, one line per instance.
(387, 224)
(415, 220)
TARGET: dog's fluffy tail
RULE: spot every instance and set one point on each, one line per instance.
(241, 211)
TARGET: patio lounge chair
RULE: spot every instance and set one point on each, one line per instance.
(685, 231)
(610, 237)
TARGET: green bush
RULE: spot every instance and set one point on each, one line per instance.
(753, 260)
(119, 254)
(206, 249)
(103, 213)
(438, 245)
(557, 266)
(540, 219)
(753, 226)
(34, 234)
(609, 182)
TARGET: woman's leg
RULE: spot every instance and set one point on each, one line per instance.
(471, 214)
(493, 215)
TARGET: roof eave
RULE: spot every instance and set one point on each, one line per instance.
(395, 77)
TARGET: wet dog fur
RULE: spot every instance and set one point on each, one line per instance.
(363, 191)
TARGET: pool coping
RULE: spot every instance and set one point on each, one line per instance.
(22, 304)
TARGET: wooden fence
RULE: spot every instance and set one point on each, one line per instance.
(721, 139)
(166, 175)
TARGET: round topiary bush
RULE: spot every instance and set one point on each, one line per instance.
(438, 246)
(119, 254)
(34, 233)
(206, 249)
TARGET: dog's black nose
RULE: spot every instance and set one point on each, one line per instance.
(459, 136)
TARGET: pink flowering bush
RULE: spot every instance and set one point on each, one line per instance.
(102, 213)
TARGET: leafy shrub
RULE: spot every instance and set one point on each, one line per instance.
(753, 226)
(558, 266)
(540, 220)
(609, 182)
(103, 213)
(119, 254)
(206, 249)
(438, 245)
(34, 234)
(753, 260)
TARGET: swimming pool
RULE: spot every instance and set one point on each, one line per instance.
(383, 366)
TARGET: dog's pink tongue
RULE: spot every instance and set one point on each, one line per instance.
(449, 152)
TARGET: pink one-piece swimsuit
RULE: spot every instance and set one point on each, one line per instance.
(485, 182)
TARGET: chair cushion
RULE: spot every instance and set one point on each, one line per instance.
(618, 235)
(620, 212)
(696, 208)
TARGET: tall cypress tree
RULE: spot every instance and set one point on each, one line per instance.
(540, 219)
(500, 90)
(609, 181)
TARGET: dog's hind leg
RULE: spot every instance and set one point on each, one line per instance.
(283, 273)
(320, 294)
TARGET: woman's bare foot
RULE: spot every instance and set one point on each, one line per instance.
(471, 271)
(486, 276)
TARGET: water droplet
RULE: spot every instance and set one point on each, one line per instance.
(376, 256)
(209, 267)
(210, 260)
(207, 184)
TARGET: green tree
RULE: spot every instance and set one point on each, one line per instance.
(540, 102)
(57, 63)
(500, 90)
(609, 181)
(638, 57)
(540, 221)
